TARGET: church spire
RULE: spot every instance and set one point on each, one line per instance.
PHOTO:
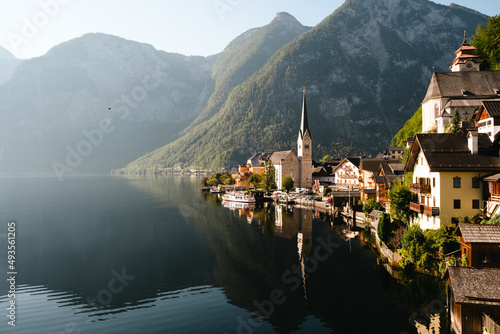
(304, 123)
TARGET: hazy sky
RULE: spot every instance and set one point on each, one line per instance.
(29, 28)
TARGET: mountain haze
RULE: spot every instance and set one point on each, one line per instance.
(8, 64)
(366, 68)
(58, 103)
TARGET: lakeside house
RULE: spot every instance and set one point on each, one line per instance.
(387, 175)
(488, 118)
(323, 174)
(347, 173)
(480, 244)
(472, 294)
(369, 172)
(447, 176)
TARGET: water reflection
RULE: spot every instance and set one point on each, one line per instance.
(156, 255)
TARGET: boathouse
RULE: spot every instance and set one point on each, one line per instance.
(480, 244)
(472, 294)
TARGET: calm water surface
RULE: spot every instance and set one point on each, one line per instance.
(153, 255)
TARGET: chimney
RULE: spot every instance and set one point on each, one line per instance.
(473, 140)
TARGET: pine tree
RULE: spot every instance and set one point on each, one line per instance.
(456, 123)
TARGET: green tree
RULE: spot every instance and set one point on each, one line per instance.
(456, 123)
(384, 227)
(487, 42)
(325, 158)
(494, 220)
(411, 127)
(371, 205)
(256, 180)
(400, 197)
(287, 183)
(413, 242)
(269, 176)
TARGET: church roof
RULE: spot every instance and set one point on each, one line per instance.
(464, 85)
(304, 122)
(277, 157)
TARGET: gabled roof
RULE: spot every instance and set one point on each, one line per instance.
(277, 157)
(480, 233)
(373, 165)
(354, 161)
(397, 168)
(450, 152)
(464, 85)
(491, 107)
(475, 286)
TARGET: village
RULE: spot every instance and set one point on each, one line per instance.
(446, 181)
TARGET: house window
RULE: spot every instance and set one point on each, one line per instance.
(456, 204)
(475, 204)
(457, 182)
(306, 147)
(433, 182)
(475, 182)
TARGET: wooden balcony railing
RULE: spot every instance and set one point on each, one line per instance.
(427, 210)
(431, 210)
(420, 188)
(416, 207)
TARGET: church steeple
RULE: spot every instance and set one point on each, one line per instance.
(304, 149)
(304, 123)
(466, 58)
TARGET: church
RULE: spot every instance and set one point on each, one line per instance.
(464, 89)
(298, 166)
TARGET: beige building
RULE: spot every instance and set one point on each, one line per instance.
(447, 176)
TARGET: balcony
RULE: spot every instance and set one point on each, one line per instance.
(416, 207)
(431, 210)
(418, 188)
(426, 210)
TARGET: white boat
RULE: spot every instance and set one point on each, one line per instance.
(238, 197)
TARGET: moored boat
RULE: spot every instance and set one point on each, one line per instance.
(238, 197)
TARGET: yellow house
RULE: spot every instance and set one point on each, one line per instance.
(447, 176)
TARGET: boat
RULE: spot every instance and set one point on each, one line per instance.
(216, 190)
(238, 197)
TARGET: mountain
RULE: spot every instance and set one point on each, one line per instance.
(245, 55)
(97, 102)
(8, 64)
(366, 68)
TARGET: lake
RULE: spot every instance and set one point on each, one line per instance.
(102, 254)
